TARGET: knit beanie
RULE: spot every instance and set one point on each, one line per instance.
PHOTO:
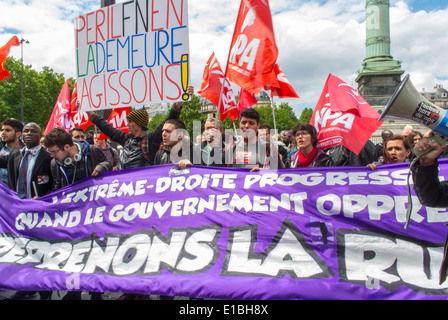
(140, 117)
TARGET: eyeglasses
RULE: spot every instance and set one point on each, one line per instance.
(52, 153)
(303, 133)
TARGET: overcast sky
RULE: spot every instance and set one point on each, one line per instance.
(314, 38)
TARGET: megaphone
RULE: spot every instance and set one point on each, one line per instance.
(408, 104)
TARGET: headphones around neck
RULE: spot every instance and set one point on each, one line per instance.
(33, 151)
(68, 161)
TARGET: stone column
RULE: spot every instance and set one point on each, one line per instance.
(380, 74)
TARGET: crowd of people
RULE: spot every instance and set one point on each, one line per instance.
(33, 165)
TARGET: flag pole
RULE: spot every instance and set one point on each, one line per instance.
(273, 116)
(227, 66)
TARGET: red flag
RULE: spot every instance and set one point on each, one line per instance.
(253, 51)
(73, 106)
(4, 51)
(211, 86)
(80, 118)
(285, 89)
(342, 116)
(61, 116)
(118, 119)
(247, 99)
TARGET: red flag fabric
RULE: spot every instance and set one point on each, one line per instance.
(342, 116)
(285, 89)
(118, 119)
(247, 99)
(74, 98)
(211, 86)
(4, 51)
(61, 116)
(80, 119)
(253, 50)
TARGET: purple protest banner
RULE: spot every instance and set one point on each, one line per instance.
(313, 233)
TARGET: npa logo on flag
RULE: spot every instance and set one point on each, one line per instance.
(342, 116)
(253, 50)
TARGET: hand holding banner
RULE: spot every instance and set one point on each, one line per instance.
(312, 233)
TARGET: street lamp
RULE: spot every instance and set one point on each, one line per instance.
(21, 52)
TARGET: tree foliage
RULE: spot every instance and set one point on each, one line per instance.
(191, 112)
(306, 115)
(285, 118)
(40, 92)
(155, 121)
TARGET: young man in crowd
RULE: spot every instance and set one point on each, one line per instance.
(77, 134)
(176, 147)
(213, 147)
(29, 174)
(11, 134)
(110, 153)
(73, 161)
(250, 152)
(264, 134)
(139, 147)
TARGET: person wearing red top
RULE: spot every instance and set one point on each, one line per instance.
(308, 155)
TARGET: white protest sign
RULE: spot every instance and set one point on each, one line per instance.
(132, 53)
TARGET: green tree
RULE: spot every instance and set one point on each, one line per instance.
(285, 118)
(155, 121)
(306, 115)
(40, 92)
(191, 112)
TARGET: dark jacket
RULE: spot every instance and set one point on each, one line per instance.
(342, 156)
(92, 158)
(428, 188)
(193, 153)
(432, 193)
(321, 159)
(41, 175)
(132, 155)
(214, 156)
